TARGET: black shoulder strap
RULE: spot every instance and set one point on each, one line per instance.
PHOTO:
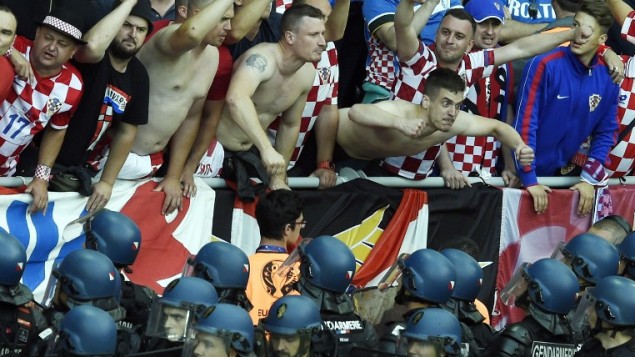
(625, 132)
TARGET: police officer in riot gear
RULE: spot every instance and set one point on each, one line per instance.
(172, 315)
(609, 309)
(87, 277)
(225, 266)
(327, 267)
(469, 278)
(547, 289)
(85, 331)
(427, 280)
(221, 330)
(292, 324)
(432, 332)
(118, 237)
(590, 257)
(627, 256)
(20, 320)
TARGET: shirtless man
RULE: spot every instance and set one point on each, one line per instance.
(269, 79)
(181, 67)
(401, 128)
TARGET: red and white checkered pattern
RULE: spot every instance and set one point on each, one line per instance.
(485, 98)
(282, 5)
(324, 92)
(622, 158)
(411, 80)
(381, 68)
(30, 107)
(415, 167)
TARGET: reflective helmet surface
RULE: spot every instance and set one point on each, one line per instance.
(591, 257)
(223, 264)
(12, 259)
(87, 331)
(293, 314)
(189, 291)
(228, 321)
(432, 324)
(552, 286)
(114, 235)
(614, 300)
(469, 274)
(429, 276)
(627, 252)
(86, 275)
(327, 263)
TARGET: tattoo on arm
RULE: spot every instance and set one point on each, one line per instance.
(257, 61)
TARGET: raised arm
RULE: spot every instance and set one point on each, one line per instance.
(336, 23)
(619, 9)
(100, 36)
(176, 40)
(514, 30)
(408, 24)
(246, 16)
(531, 46)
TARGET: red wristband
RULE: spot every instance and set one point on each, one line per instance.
(328, 164)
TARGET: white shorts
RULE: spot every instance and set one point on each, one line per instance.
(212, 161)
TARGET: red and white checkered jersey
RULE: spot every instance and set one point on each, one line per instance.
(488, 98)
(324, 92)
(622, 158)
(410, 85)
(411, 79)
(282, 5)
(415, 167)
(380, 70)
(29, 107)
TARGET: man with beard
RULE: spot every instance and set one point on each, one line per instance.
(115, 101)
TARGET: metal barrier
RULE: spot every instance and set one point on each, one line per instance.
(347, 174)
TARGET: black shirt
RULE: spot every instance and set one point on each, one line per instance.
(109, 97)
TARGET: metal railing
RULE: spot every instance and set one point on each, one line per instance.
(347, 174)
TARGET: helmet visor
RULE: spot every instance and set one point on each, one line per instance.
(169, 322)
(390, 279)
(516, 286)
(293, 259)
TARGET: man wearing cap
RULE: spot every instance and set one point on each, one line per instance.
(52, 97)
(115, 99)
(454, 39)
(490, 97)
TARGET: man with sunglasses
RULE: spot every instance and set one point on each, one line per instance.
(280, 219)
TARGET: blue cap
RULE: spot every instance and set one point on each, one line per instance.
(482, 10)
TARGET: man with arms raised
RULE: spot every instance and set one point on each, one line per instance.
(401, 128)
(269, 79)
(115, 99)
(181, 67)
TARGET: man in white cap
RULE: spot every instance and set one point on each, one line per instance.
(51, 97)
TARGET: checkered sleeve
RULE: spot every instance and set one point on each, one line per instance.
(628, 28)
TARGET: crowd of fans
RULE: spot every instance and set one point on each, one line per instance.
(95, 91)
(129, 89)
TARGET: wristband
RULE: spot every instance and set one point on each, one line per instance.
(8, 53)
(602, 50)
(43, 172)
(328, 164)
